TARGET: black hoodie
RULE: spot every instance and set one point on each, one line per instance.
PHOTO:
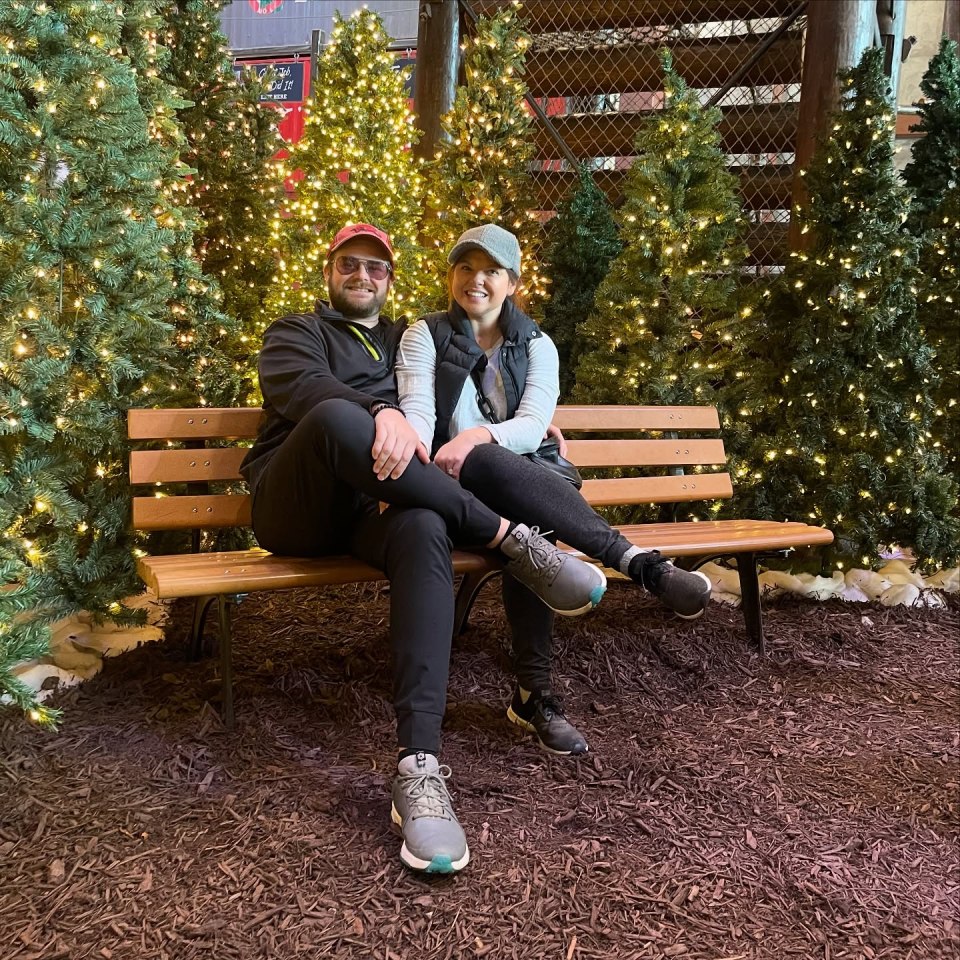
(310, 357)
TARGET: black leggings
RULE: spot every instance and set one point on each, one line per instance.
(524, 492)
(318, 495)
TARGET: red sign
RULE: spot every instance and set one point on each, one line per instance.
(264, 7)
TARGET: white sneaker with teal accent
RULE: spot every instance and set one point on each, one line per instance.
(433, 840)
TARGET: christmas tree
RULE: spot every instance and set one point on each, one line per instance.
(481, 171)
(935, 163)
(583, 240)
(356, 162)
(933, 176)
(838, 399)
(235, 188)
(654, 333)
(206, 337)
(86, 280)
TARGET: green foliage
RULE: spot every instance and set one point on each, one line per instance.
(837, 401)
(935, 163)
(662, 311)
(85, 284)
(933, 176)
(357, 164)
(583, 240)
(235, 188)
(481, 171)
(204, 373)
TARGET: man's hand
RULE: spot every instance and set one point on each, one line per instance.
(394, 445)
(554, 431)
(451, 455)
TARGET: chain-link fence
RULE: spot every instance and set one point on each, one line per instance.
(594, 71)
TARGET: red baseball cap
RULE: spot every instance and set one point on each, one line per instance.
(361, 230)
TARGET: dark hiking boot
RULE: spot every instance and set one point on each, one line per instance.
(543, 716)
(685, 592)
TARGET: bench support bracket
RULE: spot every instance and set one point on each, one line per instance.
(466, 594)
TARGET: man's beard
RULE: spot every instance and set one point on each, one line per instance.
(340, 302)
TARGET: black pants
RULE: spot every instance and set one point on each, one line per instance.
(318, 496)
(527, 493)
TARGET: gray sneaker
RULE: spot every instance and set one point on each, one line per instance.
(685, 592)
(568, 586)
(433, 840)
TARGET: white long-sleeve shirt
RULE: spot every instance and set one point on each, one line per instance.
(416, 380)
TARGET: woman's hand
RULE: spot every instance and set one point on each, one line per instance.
(451, 455)
(554, 431)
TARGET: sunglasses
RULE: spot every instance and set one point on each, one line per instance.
(376, 269)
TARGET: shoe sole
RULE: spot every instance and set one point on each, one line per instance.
(530, 728)
(595, 595)
(706, 599)
(442, 863)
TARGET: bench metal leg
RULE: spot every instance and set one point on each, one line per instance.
(750, 598)
(226, 661)
(469, 588)
(201, 607)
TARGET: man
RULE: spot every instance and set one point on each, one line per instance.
(334, 445)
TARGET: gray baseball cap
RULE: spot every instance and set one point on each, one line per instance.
(499, 244)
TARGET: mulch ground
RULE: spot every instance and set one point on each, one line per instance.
(804, 804)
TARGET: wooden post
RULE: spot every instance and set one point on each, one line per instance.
(891, 17)
(837, 34)
(951, 20)
(435, 82)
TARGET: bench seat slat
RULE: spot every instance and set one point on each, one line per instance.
(174, 466)
(243, 571)
(620, 417)
(646, 453)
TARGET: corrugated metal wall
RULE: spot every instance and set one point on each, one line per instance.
(276, 24)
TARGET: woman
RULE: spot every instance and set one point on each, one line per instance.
(479, 383)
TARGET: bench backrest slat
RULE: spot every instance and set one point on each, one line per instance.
(201, 423)
(222, 464)
(177, 466)
(185, 513)
(646, 453)
(616, 491)
(608, 419)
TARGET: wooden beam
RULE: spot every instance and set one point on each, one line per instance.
(636, 67)
(435, 79)
(545, 16)
(770, 128)
(838, 32)
(761, 188)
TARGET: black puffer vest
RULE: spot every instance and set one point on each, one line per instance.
(458, 355)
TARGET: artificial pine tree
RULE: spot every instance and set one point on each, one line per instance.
(582, 241)
(481, 171)
(933, 176)
(235, 187)
(837, 397)
(357, 165)
(935, 163)
(206, 371)
(655, 332)
(85, 282)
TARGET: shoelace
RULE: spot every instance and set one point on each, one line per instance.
(539, 554)
(551, 706)
(428, 795)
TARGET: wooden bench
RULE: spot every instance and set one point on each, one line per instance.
(195, 457)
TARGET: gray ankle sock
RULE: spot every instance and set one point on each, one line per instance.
(624, 565)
